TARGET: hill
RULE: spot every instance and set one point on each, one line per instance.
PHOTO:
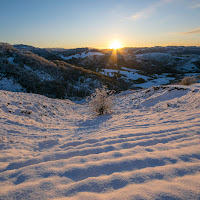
(75, 73)
(135, 66)
(26, 71)
(148, 148)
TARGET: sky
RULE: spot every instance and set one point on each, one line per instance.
(96, 23)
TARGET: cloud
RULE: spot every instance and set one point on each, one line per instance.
(145, 13)
(196, 6)
(193, 31)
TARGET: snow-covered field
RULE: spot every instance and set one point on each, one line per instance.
(148, 148)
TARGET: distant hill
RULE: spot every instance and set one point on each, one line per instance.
(154, 60)
(55, 79)
(149, 60)
(75, 73)
(46, 53)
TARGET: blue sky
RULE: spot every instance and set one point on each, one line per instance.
(96, 23)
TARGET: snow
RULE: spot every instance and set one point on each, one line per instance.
(148, 148)
(156, 82)
(188, 64)
(82, 55)
(10, 85)
(130, 74)
(10, 60)
(129, 69)
(133, 75)
(43, 76)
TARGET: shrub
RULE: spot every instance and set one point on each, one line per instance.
(101, 101)
(188, 80)
(140, 80)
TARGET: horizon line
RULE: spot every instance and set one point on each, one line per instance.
(106, 48)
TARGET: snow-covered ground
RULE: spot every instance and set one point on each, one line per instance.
(189, 65)
(156, 82)
(82, 55)
(129, 74)
(10, 85)
(132, 74)
(148, 148)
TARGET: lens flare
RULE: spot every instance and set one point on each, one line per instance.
(115, 45)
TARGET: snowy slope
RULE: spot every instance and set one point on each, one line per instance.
(148, 148)
(10, 85)
(82, 55)
(129, 74)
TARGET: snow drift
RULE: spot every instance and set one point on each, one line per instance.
(148, 148)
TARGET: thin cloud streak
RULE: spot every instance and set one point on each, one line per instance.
(148, 11)
(194, 31)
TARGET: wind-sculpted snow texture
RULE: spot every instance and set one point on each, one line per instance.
(148, 148)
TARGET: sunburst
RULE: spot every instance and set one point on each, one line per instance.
(115, 45)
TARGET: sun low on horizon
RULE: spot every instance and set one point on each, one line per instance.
(115, 45)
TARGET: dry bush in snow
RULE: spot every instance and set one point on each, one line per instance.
(188, 80)
(101, 101)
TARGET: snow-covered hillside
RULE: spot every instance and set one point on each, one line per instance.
(126, 68)
(26, 71)
(10, 85)
(148, 148)
(82, 55)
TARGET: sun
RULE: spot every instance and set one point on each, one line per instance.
(115, 45)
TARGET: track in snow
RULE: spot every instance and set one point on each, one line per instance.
(147, 149)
